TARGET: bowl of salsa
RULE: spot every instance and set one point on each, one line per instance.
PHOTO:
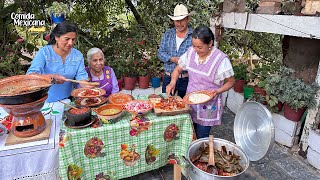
(78, 115)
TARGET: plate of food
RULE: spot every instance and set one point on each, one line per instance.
(138, 106)
(89, 102)
(88, 92)
(119, 98)
(154, 98)
(198, 97)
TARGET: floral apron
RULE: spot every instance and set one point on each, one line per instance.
(106, 82)
(201, 77)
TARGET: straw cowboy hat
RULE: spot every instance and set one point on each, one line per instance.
(180, 12)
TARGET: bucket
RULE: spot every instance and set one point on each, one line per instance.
(247, 91)
(155, 81)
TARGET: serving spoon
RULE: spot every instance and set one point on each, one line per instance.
(68, 105)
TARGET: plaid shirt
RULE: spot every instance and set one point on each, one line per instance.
(168, 48)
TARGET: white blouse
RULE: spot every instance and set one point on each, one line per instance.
(224, 70)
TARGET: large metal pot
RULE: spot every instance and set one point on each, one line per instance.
(195, 173)
(23, 81)
(253, 132)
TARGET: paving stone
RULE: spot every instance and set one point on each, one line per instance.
(295, 168)
(275, 153)
(286, 125)
(313, 141)
(271, 171)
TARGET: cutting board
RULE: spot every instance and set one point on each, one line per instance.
(11, 139)
(161, 112)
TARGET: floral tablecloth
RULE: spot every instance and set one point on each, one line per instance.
(118, 151)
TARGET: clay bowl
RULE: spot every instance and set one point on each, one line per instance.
(76, 116)
(108, 111)
(9, 88)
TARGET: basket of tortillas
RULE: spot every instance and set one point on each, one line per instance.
(198, 97)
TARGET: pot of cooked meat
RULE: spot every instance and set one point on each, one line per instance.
(230, 160)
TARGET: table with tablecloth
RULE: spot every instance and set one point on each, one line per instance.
(33, 160)
(113, 138)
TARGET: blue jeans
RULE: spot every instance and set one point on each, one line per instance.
(201, 131)
(181, 85)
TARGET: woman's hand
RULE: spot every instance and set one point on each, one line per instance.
(213, 92)
(170, 89)
(58, 78)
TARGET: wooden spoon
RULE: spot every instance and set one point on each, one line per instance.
(68, 105)
(211, 163)
(83, 82)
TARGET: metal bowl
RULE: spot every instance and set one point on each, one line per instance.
(195, 173)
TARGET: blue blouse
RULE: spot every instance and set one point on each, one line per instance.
(47, 61)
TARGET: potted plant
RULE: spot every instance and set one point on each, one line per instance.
(240, 74)
(117, 66)
(144, 78)
(274, 91)
(155, 70)
(57, 11)
(296, 95)
(130, 74)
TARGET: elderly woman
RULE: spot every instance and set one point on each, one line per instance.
(98, 72)
(209, 69)
(60, 61)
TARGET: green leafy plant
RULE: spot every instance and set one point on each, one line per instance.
(296, 93)
(58, 8)
(240, 71)
(272, 103)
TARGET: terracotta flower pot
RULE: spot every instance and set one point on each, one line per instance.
(129, 83)
(292, 114)
(262, 92)
(238, 86)
(144, 82)
(120, 81)
(279, 106)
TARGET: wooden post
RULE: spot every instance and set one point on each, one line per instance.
(312, 118)
(176, 172)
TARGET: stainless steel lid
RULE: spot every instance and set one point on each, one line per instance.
(254, 130)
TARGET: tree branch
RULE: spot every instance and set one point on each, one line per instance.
(135, 13)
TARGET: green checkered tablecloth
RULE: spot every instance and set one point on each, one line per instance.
(112, 136)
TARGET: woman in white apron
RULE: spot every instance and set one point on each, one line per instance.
(209, 69)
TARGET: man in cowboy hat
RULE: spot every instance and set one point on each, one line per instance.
(174, 43)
